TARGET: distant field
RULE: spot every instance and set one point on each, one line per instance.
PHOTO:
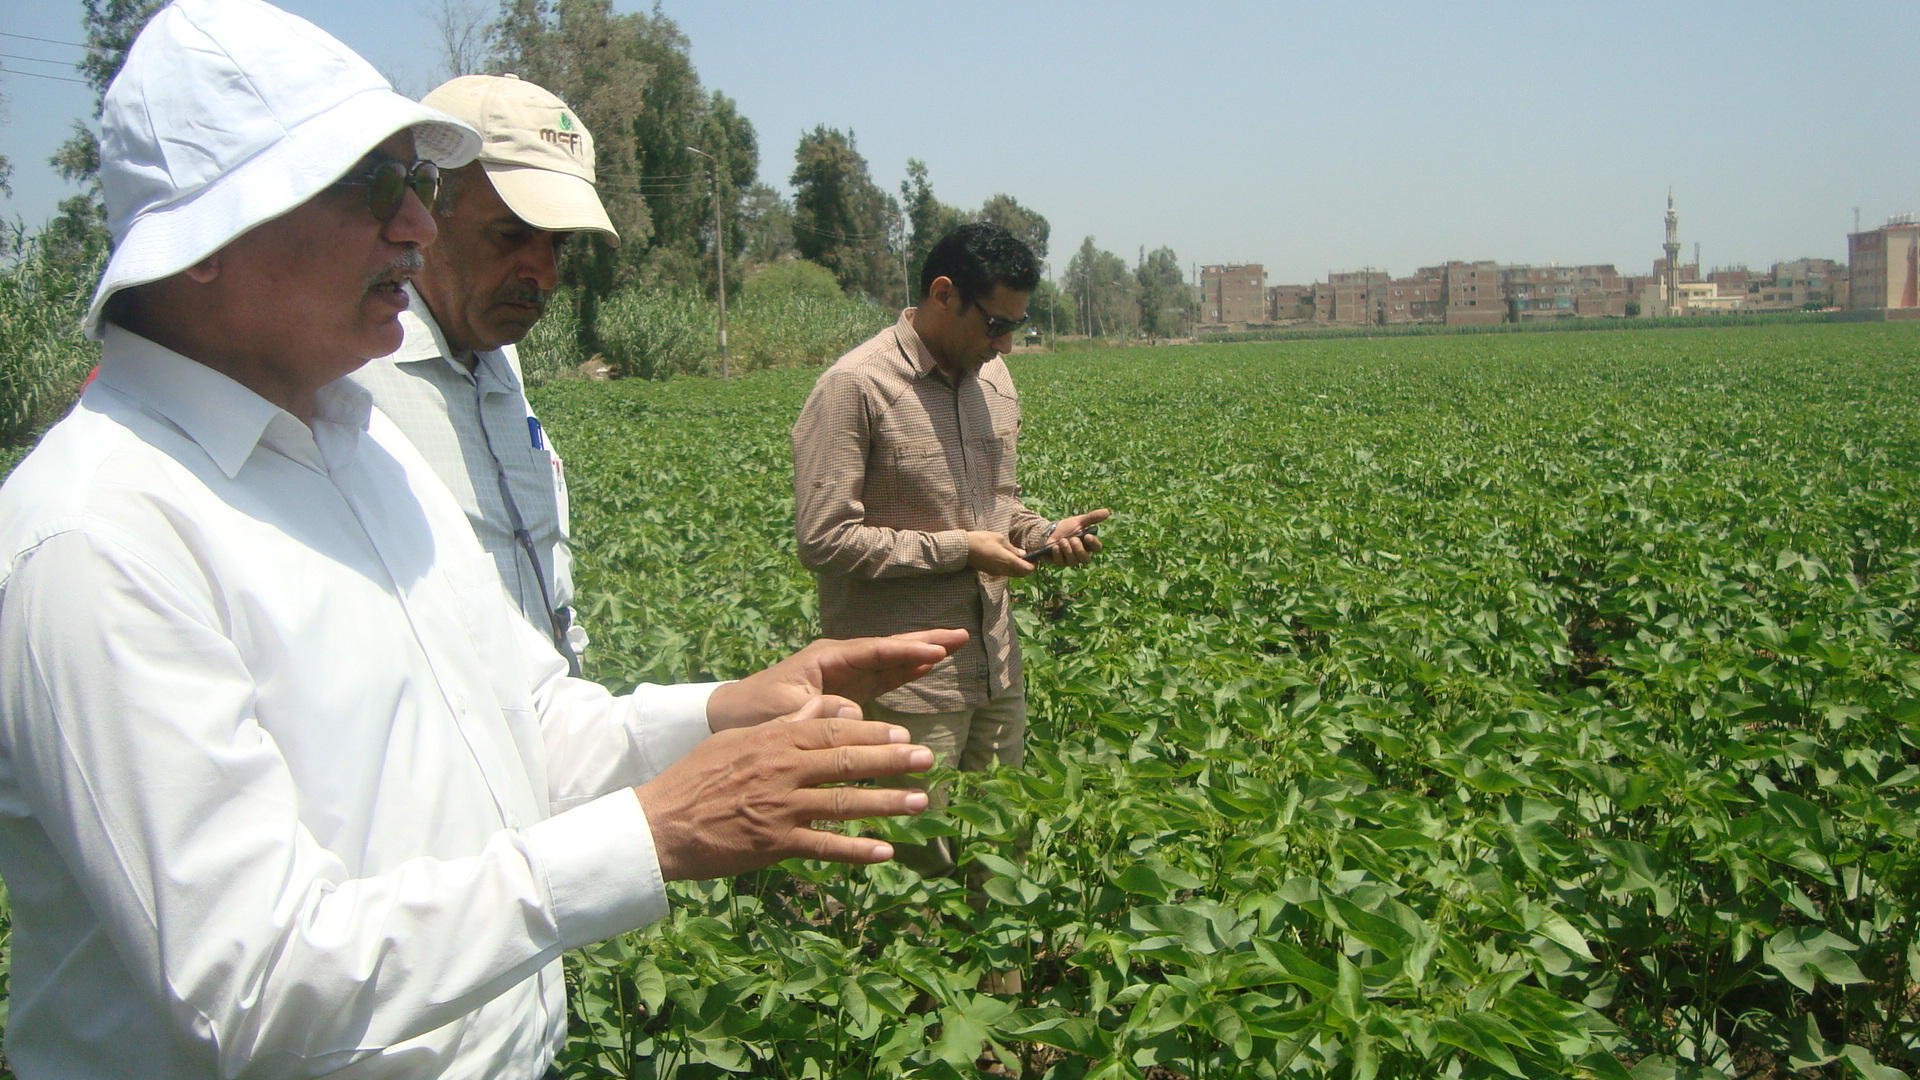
(1509, 705)
(1505, 705)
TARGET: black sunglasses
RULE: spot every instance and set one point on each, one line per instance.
(1000, 325)
(387, 183)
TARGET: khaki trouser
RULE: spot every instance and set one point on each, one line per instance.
(970, 740)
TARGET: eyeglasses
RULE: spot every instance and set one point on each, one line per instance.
(1000, 325)
(388, 181)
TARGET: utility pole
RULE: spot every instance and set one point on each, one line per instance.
(719, 255)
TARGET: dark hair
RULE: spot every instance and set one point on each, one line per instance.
(453, 187)
(978, 256)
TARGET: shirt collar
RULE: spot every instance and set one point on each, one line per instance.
(224, 418)
(918, 356)
(424, 341)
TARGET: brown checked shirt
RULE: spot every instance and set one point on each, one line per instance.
(892, 465)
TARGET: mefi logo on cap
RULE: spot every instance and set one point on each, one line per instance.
(566, 136)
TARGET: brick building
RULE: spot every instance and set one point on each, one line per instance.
(1475, 293)
(1884, 267)
(1233, 297)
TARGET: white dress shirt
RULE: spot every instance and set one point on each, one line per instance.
(476, 430)
(286, 787)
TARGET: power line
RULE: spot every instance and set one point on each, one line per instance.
(37, 75)
(47, 41)
(35, 60)
(838, 235)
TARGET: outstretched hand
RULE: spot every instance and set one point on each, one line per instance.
(747, 798)
(855, 670)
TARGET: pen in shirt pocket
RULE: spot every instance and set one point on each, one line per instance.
(534, 433)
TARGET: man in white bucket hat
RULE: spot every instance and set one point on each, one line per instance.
(286, 786)
(455, 386)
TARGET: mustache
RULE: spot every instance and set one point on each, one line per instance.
(402, 268)
(522, 294)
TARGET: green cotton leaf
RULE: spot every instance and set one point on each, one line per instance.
(1366, 1055)
(1862, 1063)
(1461, 1037)
(650, 984)
(1398, 839)
(1561, 932)
(1802, 954)
(1642, 867)
(1808, 1048)
(1156, 879)
(862, 1019)
(724, 1054)
(1223, 1022)
(1660, 1067)
(1366, 927)
(1298, 968)
(1075, 1034)
(965, 1026)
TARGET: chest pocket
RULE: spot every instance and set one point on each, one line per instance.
(922, 487)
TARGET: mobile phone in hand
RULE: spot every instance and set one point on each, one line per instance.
(1036, 553)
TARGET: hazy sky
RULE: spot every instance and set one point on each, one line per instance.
(1308, 137)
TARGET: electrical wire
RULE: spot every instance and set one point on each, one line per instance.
(47, 41)
(36, 59)
(37, 75)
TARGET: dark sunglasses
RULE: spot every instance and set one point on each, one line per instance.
(1000, 325)
(387, 183)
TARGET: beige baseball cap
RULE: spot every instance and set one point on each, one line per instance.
(535, 150)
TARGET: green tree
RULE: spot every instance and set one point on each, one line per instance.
(1005, 211)
(765, 226)
(1166, 302)
(928, 219)
(840, 218)
(1103, 292)
(1051, 310)
(730, 137)
(631, 80)
(77, 235)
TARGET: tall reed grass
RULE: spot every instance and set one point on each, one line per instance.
(43, 356)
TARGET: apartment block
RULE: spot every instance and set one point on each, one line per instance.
(1289, 303)
(1233, 297)
(1421, 298)
(1475, 294)
(1884, 266)
(1351, 298)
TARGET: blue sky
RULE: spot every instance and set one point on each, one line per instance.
(1308, 137)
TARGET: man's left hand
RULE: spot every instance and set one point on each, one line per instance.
(1076, 545)
(857, 670)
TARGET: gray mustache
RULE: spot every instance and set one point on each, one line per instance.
(403, 266)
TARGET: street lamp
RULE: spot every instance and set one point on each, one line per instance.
(719, 255)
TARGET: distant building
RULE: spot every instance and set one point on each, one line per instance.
(1289, 303)
(1421, 298)
(1884, 269)
(1353, 298)
(1475, 294)
(1233, 297)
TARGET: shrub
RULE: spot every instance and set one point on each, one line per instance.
(794, 277)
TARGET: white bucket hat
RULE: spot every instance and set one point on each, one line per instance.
(535, 150)
(228, 114)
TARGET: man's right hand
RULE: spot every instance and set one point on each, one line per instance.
(991, 553)
(746, 798)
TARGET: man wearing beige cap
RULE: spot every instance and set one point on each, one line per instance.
(454, 386)
(287, 788)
